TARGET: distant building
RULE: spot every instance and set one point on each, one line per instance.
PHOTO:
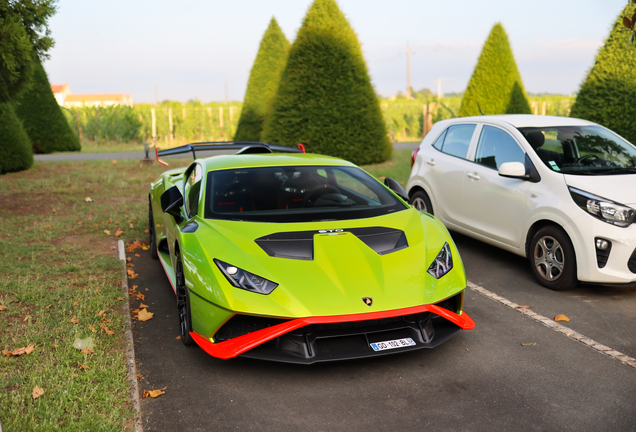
(65, 97)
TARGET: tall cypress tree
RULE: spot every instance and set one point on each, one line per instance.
(263, 83)
(325, 99)
(608, 94)
(15, 147)
(42, 117)
(496, 83)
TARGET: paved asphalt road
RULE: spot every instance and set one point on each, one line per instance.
(58, 157)
(480, 380)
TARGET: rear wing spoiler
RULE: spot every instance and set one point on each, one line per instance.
(243, 147)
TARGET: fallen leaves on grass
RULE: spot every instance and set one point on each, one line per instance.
(130, 226)
(37, 392)
(87, 351)
(146, 231)
(3, 308)
(152, 393)
(144, 315)
(74, 320)
(26, 318)
(48, 227)
(121, 298)
(49, 306)
(118, 233)
(106, 232)
(110, 220)
(114, 161)
(106, 320)
(19, 351)
(84, 367)
(561, 318)
(105, 329)
(92, 328)
(101, 313)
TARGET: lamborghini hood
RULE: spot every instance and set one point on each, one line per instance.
(324, 268)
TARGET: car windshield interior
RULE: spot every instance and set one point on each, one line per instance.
(296, 194)
(584, 150)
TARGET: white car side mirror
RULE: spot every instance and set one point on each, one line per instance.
(514, 170)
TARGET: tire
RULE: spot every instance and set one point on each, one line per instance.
(151, 231)
(422, 202)
(183, 304)
(552, 258)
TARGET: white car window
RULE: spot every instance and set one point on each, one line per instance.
(457, 140)
(496, 147)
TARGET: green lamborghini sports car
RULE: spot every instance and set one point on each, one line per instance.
(280, 255)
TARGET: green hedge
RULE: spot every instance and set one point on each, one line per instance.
(42, 118)
(15, 147)
(496, 83)
(263, 83)
(325, 99)
(608, 94)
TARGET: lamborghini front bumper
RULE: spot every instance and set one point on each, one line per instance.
(328, 338)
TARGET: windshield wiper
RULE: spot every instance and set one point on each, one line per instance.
(623, 170)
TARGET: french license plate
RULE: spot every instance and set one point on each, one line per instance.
(392, 344)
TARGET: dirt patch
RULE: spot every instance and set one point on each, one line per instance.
(21, 204)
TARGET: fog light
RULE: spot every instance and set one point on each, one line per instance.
(602, 244)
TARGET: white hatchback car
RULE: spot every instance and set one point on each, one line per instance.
(560, 191)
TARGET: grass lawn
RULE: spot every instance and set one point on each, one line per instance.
(61, 280)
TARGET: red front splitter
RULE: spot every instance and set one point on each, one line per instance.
(239, 345)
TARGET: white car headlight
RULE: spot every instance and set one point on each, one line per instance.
(603, 209)
(442, 264)
(244, 279)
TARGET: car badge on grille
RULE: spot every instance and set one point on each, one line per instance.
(367, 301)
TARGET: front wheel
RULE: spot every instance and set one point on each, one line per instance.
(183, 305)
(151, 232)
(422, 202)
(552, 258)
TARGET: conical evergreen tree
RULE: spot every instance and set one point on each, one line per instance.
(496, 83)
(15, 147)
(43, 120)
(263, 83)
(325, 99)
(608, 94)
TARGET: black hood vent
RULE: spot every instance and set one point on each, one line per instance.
(300, 244)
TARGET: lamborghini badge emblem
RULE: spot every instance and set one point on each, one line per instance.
(367, 301)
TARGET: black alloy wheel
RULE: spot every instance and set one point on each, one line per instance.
(552, 258)
(422, 202)
(151, 231)
(183, 304)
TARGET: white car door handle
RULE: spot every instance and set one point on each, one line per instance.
(430, 162)
(473, 176)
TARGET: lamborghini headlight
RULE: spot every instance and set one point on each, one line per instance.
(442, 264)
(603, 209)
(245, 280)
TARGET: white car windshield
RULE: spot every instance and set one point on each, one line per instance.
(296, 194)
(583, 150)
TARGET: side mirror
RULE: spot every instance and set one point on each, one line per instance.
(397, 188)
(171, 203)
(513, 170)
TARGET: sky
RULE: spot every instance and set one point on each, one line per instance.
(188, 49)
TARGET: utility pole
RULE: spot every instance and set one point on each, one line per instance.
(439, 85)
(226, 89)
(408, 71)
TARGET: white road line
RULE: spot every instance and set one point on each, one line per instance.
(630, 361)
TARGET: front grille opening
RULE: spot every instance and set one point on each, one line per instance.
(631, 264)
(452, 304)
(240, 325)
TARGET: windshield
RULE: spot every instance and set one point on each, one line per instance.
(296, 194)
(583, 150)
